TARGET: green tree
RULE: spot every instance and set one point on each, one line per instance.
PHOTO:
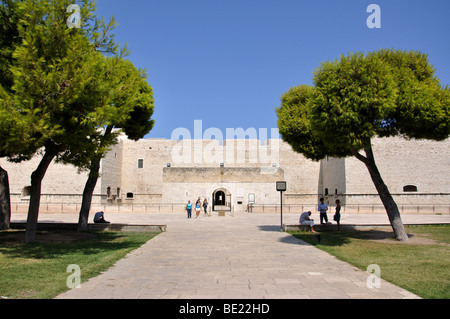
(8, 36)
(53, 71)
(13, 129)
(384, 93)
(127, 103)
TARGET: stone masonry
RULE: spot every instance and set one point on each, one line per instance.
(239, 175)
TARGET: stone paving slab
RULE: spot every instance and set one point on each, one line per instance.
(241, 257)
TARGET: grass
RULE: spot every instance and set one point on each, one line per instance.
(421, 266)
(39, 270)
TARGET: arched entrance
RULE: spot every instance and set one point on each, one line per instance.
(221, 200)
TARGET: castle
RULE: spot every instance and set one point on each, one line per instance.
(239, 175)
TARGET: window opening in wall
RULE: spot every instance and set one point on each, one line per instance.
(251, 198)
(326, 191)
(140, 163)
(108, 192)
(410, 188)
(130, 195)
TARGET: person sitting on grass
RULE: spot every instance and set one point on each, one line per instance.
(99, 218)
(305, 220)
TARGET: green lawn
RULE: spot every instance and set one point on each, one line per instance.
(39, 270)
(421, 266)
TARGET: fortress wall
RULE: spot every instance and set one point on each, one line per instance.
(301, 174)
(333, 177)
(249, 168)
(111, 172)
(424, 164)
(61, 183)
(198, 162)
(232, 153)
(155, 154)
(180, 193)
(208, 175)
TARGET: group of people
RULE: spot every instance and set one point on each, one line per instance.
(197, 206)
(322, 208)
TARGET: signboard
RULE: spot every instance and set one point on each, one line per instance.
(281, 186)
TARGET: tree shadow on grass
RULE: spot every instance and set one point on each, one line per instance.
(12, 244)
(334, 238)
(321, 238)
(345, 237)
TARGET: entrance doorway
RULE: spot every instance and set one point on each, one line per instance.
(221, 200)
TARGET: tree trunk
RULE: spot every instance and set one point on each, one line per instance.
(90, 186)
(5, 200)
(35, 195)
(385, 196)
(87, 194)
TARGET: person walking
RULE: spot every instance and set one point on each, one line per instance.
(198, 205)
(322, 208)
(205, 206)
(189, 209)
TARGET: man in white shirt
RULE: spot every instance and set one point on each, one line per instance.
(322, 208)
(305, 220)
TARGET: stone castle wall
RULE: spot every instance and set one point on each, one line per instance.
(61, 184)
(422, 164)
(162, 173)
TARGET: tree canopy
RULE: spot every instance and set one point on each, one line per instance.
(384, 93)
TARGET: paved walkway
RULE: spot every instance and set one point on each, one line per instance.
(245, 256)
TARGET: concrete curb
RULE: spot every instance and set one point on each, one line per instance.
(95, 227)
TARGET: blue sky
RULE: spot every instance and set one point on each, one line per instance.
(227, 62)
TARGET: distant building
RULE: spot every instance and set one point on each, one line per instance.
(159, 175)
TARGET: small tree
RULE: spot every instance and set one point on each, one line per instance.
(384, 93)
(127, 103)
